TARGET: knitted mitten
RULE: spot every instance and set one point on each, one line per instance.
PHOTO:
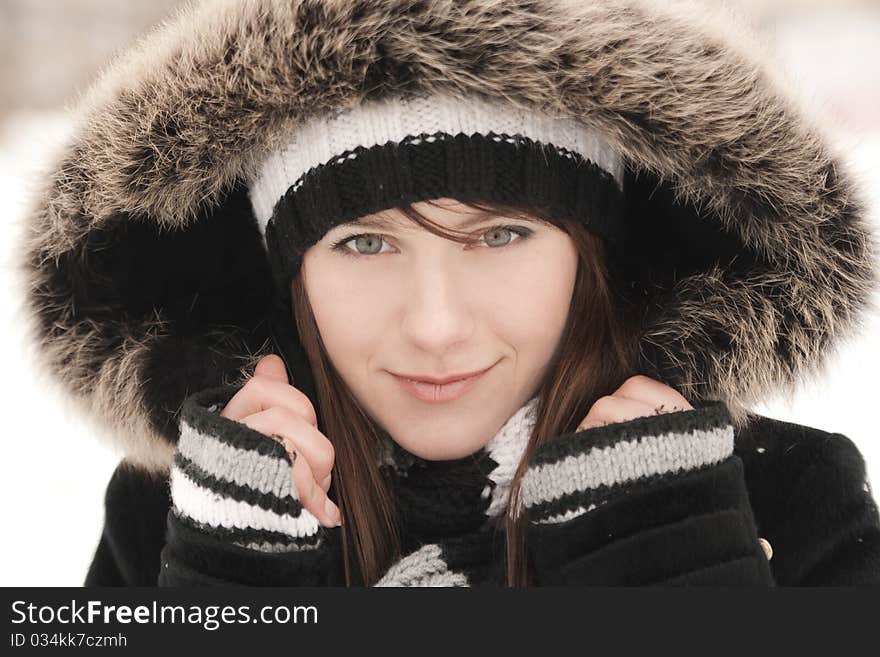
(655, 499)
(233, 493)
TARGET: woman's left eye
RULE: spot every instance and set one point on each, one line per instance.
(519, 231)
(497, 236)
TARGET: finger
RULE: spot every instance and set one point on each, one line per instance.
(261, 393)
(653, 392)
(312, 496)
(610, 409)
(272, 366)
(317, 451)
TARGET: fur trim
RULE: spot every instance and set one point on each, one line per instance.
(142, 238)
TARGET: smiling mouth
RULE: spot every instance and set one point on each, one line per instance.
(439, 393)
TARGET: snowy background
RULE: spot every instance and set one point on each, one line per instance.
(55, 467)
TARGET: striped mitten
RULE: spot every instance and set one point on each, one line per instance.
(653, 500)
(234, 502)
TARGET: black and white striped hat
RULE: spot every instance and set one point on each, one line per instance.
(382, 154)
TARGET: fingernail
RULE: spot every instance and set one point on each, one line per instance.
(332, 512)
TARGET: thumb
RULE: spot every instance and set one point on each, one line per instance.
(271, 366)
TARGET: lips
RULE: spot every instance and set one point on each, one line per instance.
(448, 390)
(442, 381)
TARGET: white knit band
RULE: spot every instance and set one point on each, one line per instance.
(374, 123)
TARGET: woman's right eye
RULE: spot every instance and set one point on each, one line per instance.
(370, 241)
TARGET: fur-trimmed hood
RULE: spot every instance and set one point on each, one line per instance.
(146, 279)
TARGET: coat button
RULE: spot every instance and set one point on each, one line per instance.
(768, 549)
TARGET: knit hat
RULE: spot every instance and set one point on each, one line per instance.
(358, 161)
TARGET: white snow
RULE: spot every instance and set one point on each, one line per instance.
(53, 471)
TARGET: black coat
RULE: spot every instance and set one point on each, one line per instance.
(748, 255)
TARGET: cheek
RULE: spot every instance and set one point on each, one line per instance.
(537, 304)
(347, 316)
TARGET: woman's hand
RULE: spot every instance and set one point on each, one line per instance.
(269, 404)
(638, 396)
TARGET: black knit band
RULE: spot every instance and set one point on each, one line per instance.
(491, 168)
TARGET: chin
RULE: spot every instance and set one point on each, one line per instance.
(431, 443)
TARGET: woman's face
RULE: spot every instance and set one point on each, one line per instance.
(392, 299)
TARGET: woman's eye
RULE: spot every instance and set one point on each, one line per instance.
(501, 235)
(368, 244)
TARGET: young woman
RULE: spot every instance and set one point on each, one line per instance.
(422, 294)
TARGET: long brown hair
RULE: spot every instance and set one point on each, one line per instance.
(596, 353)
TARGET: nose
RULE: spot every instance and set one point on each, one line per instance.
(437, 308)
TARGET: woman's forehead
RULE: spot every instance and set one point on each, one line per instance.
(448, 212)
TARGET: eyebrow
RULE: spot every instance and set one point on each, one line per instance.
(378, 221)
